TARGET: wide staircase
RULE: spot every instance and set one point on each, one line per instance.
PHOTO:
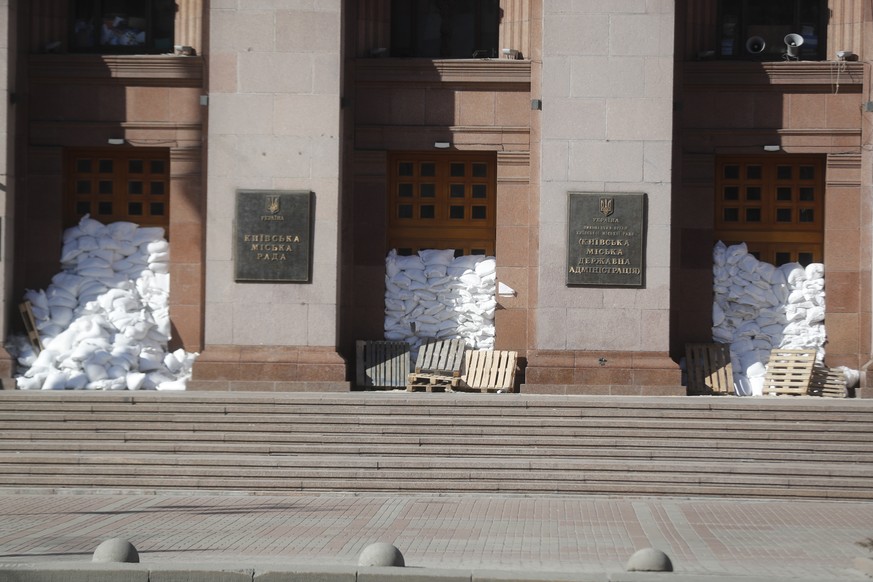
(777, 447)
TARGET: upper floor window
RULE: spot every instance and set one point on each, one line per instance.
(445, 29)
(755, 30)
(122, 26)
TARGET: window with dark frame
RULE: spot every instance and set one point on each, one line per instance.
(113, 185)
(122, 26)
(445, 29)
(773, 204)
(442, 201)
(756, 30)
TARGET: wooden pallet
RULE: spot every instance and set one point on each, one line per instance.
(489, 370)
(789, 372)
(828, 382)
(30, 325)
(381, 364)
(438, 366)
(709, 369)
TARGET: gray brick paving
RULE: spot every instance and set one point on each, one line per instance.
(767, 539)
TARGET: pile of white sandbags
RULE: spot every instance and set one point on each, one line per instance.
(759, 307)
(104, 321)
(435, 295)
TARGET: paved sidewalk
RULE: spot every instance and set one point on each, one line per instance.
(704, 537)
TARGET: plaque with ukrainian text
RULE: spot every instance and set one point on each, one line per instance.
(606, 243)
(273, 241)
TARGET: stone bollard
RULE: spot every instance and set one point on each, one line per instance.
(116, 550)
(649, 560)
(381, 554)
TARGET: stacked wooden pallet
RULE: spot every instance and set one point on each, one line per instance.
(789, 372)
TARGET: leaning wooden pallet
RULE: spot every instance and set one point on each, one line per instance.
(709, 369)
(828, 382)
(30, 325)
(381, 363)
(489, 370)
(438, 366)
(789, 372)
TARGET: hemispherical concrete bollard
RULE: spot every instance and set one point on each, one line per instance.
(649, 560)
(381, 554)
(116, 550)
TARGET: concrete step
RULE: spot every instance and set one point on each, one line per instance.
(494, 447)
(775, 447)
(601, 479)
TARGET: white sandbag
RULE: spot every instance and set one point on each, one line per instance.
(30, 382)
(432, 272)
(440, 282)
(756, 370)
(69, 282)
(425, 295)
(61, 315)
(159, 267)
(394, 304)
(77, 380)
(735, 253)
(742, 386)
(172, 364)
(37, 298)
(147, 234)
(718, 253)
(470, 280)
(741, 346)
(749, 264)
(717, 314)
(722, 334)
(853, 377)
(55, 380)
(757, 386)
(395, 335)
(486, 267)
(418, 286)
(416, 275)
(95, 372)
(171, 385)
(410, 263)
(87, 243)
(437, 257)
(815, 315)
(158, 247)
(122, 230)
(70, 251)
(150, 360)
(159, 257)
(59, 297)
(458, 271)
(814, 271)
(466, 262)
(794, 273)
(391, 267)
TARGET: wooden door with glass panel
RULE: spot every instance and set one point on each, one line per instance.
(442, 201)
(773, 204)
(130, 184)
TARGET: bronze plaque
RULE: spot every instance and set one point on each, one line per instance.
(273, 236)
(606, 245)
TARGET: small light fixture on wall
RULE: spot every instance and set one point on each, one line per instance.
(441, 145)
(771, 148)
(116, 141)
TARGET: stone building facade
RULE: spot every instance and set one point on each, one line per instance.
(339, 98)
